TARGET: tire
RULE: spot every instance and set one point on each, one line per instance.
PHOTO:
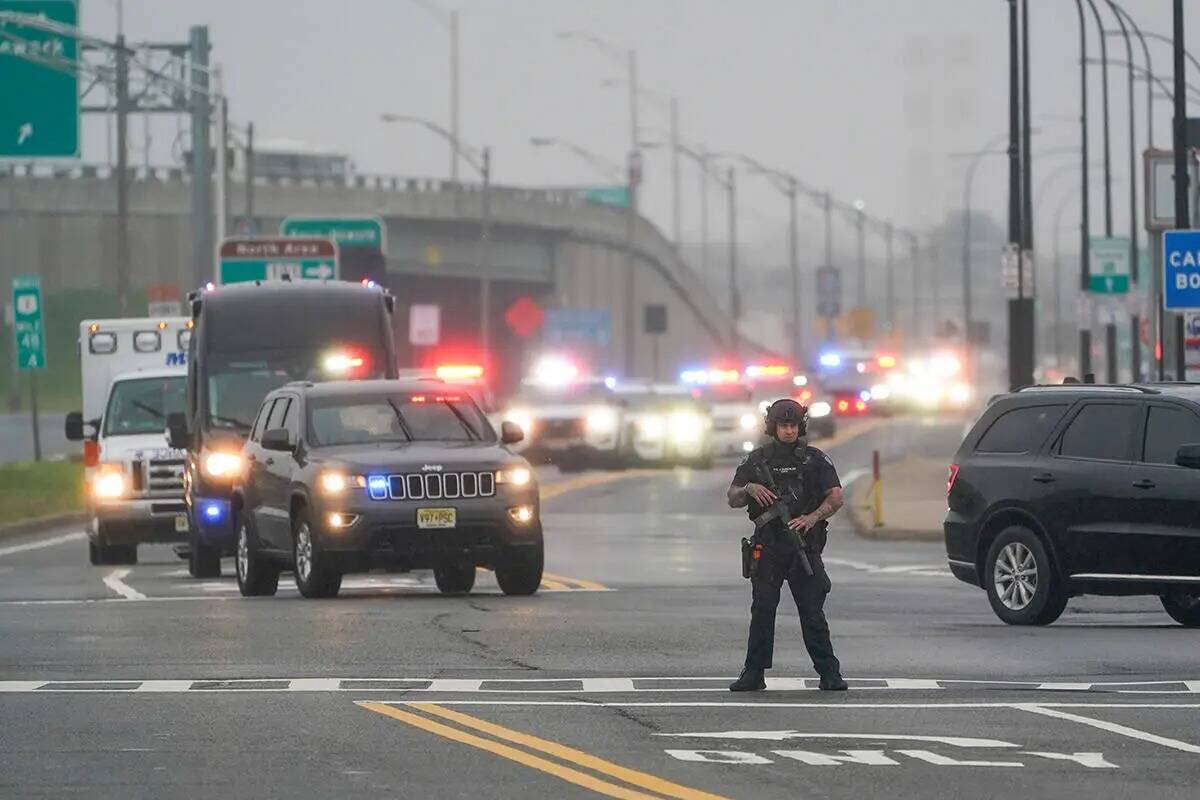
(1021, 581)
(257, 576)
(521, 577)
(455, 579)
(1184, 608)
(109, 554)
(123, 554)
(314, 577)
(203, 561)
(96, 554)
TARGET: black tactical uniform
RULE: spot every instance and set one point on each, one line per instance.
(808, 469)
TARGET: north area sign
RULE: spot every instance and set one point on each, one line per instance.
(39, 103)
(28, 325)
(293, 258)
(1108, 262)
(1181, 270)
(347, 232)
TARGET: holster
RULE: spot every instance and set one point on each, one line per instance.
(752, 551)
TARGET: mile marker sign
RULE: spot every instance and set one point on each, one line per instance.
(1181, 270)
(274, 259)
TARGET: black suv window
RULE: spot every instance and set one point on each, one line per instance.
(1100, 431)
(1166, 429)
(1020, 429)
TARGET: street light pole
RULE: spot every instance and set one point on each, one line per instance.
(454, 95)
(1084, 322)
(676, 207)
(1015, 367)
(1179, 128)
(860, 289)
(914, 256)
(794, 263)
(735, 295)
(890, 302)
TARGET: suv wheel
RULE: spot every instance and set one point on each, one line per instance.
(203, 561)
(1020, 580)
(455, 579)
(1184, 608)
(257, 576)
(109, 554)
(314, 578)
(520, 577)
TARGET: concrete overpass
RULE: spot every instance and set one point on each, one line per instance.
(548, 245)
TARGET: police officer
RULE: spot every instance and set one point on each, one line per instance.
(793, 465)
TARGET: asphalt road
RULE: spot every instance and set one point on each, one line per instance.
(140, 682)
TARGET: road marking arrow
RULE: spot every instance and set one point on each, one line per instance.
(322, 271)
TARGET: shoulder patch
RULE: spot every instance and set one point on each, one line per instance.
(745, 460)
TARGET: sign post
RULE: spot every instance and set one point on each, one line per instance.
(280, 258)
(30, 341)
(1109, 265)
(39, 104)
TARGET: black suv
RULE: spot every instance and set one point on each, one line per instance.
(347, 476)
(1059, 491)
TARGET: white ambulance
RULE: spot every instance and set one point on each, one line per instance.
(134, 374)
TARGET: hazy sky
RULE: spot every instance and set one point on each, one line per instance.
(864, 96)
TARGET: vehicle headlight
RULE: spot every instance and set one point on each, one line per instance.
(522, 417)
(514, 476)
(652, 427)
(602, 420)
(749, 422)
(960, 393)
(109, 482)
(686, 427)
(881, 391)
(223, 465)
(333, 482)
(820, 409)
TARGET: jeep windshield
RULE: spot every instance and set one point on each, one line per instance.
(141, 405)
(396, 417)
(237, 382)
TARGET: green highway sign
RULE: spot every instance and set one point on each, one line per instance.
(348, 232)
(39, 103)
(28, 327)
(1109, 265)
(279, 258)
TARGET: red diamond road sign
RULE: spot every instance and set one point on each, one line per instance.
(524, 317)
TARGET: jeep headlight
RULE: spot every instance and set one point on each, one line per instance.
(514, 476)
(335, 482)
(602, 420)
(652, 427)
(109, 482)
(220, 464)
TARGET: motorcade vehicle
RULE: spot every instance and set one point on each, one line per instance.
(1060, 491)
(248, 339)
(571, 420)
(346, 476)
(133, 375)
(667, 425)
(736, 420)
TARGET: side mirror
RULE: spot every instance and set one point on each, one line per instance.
(277, 439)
(73, 427)
(177, 431)
(510, 432)
(1188, 455)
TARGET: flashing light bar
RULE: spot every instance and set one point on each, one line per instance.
(441, 398)
(887, 362)
(767, 371)
(554, 371)
(341, 362)
(831, 360)
(705, 377)
(459, 372)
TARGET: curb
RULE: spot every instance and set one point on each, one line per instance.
(41, 524)
(860, 516)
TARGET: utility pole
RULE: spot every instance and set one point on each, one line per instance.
(251, 226)
(828, 207)
(634, 175)
(222, 152)
(1179, 128)
(122, 175)
(485, 252)
(860, 289)
(1026, 294)
(704, 168)
(1016, 371)
(202, 241)
(676, 191)
(914, 256)
(794, 262)
(1110, 332)
(1084, 322)
(889, 232)
(735, 295)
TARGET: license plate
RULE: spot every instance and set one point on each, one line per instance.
(181, 523)
(437, 517)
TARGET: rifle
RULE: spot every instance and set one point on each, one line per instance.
(779, 510)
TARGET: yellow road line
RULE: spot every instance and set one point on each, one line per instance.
(632, 776)
(552, 584)
(511, 753)
(579, 582)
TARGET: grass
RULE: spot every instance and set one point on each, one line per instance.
(36, 489)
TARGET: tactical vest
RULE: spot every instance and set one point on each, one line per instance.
(793, 467)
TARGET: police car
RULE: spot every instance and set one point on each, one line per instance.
(347, 476)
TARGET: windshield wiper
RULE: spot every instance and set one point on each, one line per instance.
(471, 432)
(148, 409)
(232, 422)
(400, 419)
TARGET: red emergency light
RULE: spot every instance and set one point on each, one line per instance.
(459, 372)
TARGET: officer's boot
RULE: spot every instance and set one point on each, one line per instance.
(751, 680)
(833, 683)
